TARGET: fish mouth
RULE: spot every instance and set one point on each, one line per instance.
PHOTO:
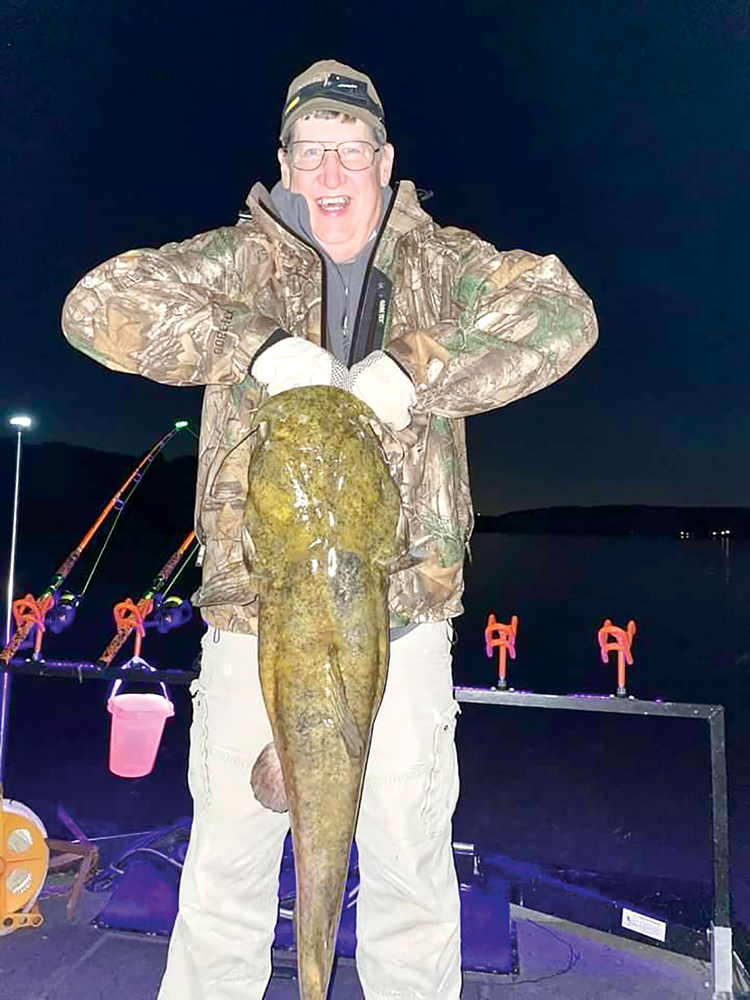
(333, 205)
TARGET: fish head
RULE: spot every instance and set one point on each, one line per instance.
(318, 480)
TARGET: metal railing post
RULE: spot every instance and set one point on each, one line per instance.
(721, 930)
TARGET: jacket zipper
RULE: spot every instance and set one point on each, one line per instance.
(366, 279)
(324, 276)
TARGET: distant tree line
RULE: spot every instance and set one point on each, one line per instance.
(624, 521)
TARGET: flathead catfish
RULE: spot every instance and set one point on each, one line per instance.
(321, 532)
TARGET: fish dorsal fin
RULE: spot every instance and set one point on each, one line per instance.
(347, 724)
(267, 780)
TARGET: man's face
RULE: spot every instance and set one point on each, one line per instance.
(342, 227)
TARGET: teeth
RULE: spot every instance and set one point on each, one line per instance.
(333, 202)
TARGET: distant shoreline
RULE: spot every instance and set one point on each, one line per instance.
(623, 521)
(64, 487)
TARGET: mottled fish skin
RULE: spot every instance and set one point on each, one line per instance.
(321, 533)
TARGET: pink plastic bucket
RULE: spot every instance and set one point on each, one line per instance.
(136, 732)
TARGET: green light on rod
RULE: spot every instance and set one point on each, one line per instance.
(179, 424)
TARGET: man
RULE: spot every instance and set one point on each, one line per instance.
(333, 278)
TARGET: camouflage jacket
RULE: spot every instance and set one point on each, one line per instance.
(476, 329)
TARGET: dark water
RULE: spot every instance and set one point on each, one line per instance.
(618, 794)
(612, 793)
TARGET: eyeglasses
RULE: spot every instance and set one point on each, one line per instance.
(354, 154)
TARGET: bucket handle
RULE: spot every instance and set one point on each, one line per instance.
(139, 662)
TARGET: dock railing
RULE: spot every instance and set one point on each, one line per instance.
(713, 715)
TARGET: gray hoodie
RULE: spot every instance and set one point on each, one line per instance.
(344, 281)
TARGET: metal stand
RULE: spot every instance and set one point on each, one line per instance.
(85, 670)
(67, 853)
(721, 930)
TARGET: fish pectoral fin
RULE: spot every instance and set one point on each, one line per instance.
(345, 721)
(267, 780)
(248, 546)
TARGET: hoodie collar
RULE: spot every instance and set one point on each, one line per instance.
(295, 213)
(405, 213)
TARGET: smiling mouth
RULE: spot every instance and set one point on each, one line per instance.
(333, 206)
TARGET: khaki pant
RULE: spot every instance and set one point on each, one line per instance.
(408, 905)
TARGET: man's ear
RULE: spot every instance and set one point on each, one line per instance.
(385, 167)
(286, 174)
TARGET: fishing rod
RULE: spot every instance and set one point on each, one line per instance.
(129, 616)
(30, 611)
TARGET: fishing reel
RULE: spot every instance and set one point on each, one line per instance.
(169, 613)
(62, 615)
(55, 612)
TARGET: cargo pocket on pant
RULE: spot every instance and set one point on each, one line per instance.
(441, 794)
(198, 757)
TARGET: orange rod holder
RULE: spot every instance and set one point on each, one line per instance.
(129, 616)
(28, 613)
(496, 634)
(47, 597)
(613, 639)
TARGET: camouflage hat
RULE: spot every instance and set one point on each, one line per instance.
(332, 86)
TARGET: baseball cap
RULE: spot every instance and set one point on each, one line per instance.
(332, 86)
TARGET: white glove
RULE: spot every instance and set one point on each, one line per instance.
(386, 388)
(293, 362)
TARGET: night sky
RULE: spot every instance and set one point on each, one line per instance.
(615, 135)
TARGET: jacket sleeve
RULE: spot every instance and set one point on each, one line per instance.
(184, 314)
(517, 322)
